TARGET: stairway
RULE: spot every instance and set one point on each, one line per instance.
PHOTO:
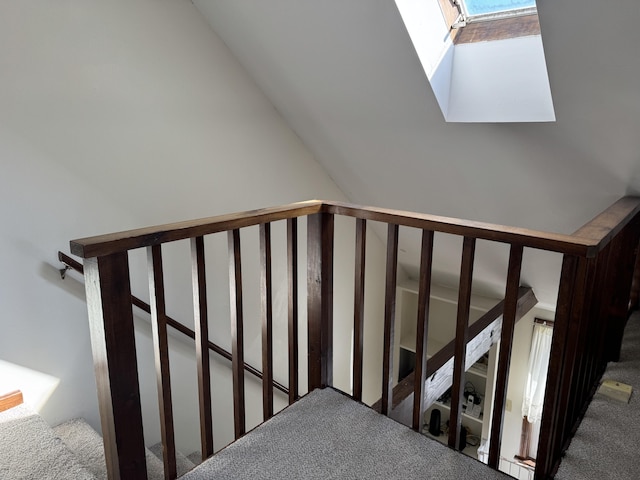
(325, 435)
(30, 449)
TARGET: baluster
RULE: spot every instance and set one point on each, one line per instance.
(292, 275)
(358, 308)
(626, 242)
(320, 229)
(389, 319)
(634, 297)
(112, 333)
(552, 426)
(506, 344)
(237, 332)
(424, 293)
(266, 292)
(161, 355)
(462, 332)
(202, 345)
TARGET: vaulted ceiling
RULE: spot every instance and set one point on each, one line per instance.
(346, 78)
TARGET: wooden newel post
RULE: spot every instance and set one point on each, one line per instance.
(114, 356)
(320, 299)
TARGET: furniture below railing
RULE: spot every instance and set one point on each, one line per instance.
(595, 292)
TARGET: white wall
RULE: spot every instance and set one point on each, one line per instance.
(121, 114)
(500, 81)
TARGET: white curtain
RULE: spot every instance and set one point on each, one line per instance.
(537, 376)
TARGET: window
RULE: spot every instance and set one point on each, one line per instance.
(478, 10)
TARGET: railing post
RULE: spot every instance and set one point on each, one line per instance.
(320, 299)
(624, 245)
(111, 327)
(572, 299)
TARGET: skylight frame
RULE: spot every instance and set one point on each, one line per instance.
(483, 17)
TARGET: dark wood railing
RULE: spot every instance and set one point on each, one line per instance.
(596, 289)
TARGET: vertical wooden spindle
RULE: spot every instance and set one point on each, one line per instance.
(266, 293)
(358, 308)
(202, 345)
(292, 276)
(320, 231)
(504, 359)
(634, 297)
(161, 355)
(551, 426)
(460, 348)
(422, 330)
(108, 291)
(627, 241)
(237, 332)
(389, 319)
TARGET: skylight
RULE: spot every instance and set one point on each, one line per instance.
(490, 9)
(483, 58)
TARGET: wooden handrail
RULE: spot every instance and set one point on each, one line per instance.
(593, 281)
(554, 242)
(145, 307)
(145, 237)
(10, 400)
(586, 242)
(610, 222)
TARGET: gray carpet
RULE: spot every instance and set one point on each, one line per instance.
(329, 436)
(30, 451)
(87, 446)
(606, 444)
(183, 463)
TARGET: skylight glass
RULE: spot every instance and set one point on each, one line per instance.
(488, 7)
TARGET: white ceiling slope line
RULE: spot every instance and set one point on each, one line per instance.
(498, 81)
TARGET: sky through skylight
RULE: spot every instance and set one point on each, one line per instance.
(482, 7)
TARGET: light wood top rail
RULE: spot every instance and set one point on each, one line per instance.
(10, 400)
(585, 242)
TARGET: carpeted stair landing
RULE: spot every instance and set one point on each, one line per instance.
(325, 435)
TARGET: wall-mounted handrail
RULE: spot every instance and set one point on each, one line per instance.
(145, 307)
(10, 399)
